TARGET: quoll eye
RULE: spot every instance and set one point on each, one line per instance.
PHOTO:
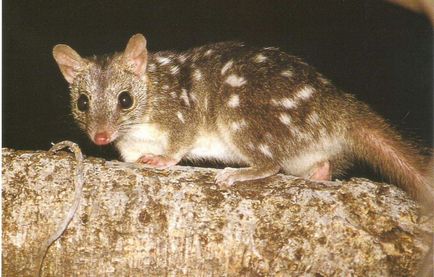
(125, 100)
(83, 103)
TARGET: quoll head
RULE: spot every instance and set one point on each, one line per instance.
(108, 94)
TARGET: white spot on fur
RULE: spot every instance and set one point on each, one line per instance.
(284, 102)
(152, 67)
(234, 101)
(288, 103)
(174, 69)
(173, 94)
(305, 93)
(164, 60)
(184, 97)
(285, 118)
(193, 97)
(237, 125)
(180, 117)
(265, 149)
(286, 73)
(197, 75)
(227, 66)
(165, 87)
(235, 81)
(209, 52)
(260, 58)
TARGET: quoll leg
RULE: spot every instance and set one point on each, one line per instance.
(321, 172)
(228, 176)
(157, 161)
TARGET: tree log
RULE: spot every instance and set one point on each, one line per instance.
(136, 221)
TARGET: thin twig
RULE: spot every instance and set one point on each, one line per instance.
(78, 182)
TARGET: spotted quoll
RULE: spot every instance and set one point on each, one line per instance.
(258, 108)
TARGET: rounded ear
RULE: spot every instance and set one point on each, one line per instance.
(69, 61)
(135, 55)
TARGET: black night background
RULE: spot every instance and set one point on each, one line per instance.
(380, 52)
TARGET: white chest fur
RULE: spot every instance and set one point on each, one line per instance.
(142, 139)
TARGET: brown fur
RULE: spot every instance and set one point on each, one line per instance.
(257, 107)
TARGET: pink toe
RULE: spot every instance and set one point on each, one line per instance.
(322, 172)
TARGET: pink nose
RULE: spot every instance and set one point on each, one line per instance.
(102, 138)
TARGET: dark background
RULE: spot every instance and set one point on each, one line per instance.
(373, 49)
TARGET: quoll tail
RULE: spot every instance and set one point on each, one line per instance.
(377, 143)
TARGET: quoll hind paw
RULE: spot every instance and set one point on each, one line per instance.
(227, 176)
(157, 161)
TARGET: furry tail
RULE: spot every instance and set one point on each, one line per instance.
(381, 146)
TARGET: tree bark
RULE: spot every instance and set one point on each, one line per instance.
(135, 221)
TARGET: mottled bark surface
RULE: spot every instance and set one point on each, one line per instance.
(133, 221)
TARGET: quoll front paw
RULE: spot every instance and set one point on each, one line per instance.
(157, 161)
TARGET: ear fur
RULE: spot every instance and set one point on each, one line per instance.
(136, 54)
(69, 61)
